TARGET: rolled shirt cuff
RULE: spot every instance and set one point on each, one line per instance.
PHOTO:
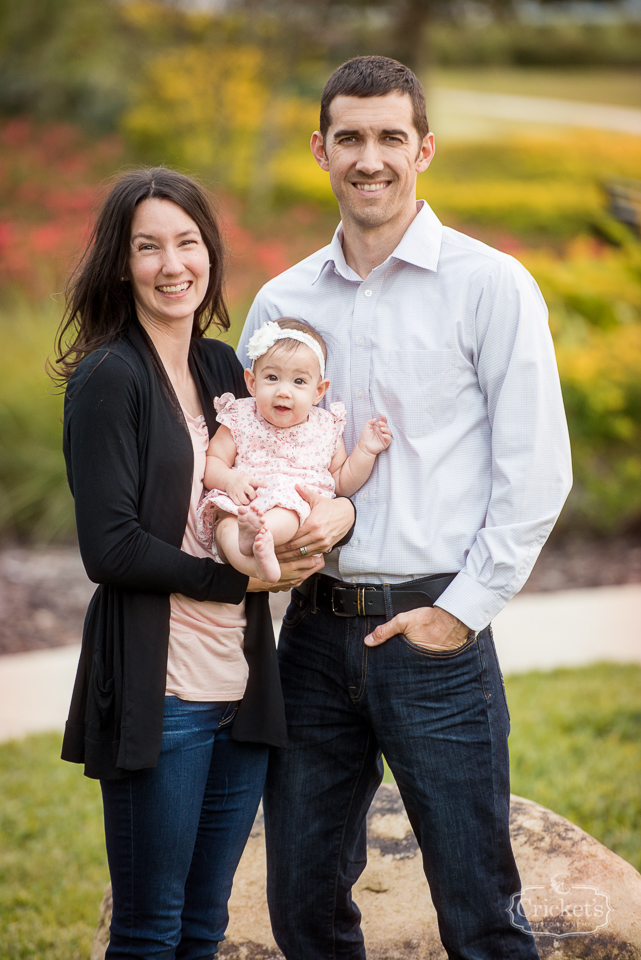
(474, 605)
(348, 536)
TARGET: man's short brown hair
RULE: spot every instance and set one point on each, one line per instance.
(374, 77)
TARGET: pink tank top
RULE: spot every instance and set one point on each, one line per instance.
(206, 660)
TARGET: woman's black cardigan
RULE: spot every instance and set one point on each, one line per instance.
(129, 462)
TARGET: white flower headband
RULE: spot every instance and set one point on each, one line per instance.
(266, 336)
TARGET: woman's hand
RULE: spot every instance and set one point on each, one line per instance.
(328, 523)
(292, 574)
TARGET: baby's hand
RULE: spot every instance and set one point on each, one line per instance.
(375, 437)
(242, 489)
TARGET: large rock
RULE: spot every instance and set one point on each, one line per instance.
(583, 901)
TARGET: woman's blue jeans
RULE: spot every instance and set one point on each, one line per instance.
(441, 721)
(176, 833)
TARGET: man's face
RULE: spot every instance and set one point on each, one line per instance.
(373, 154)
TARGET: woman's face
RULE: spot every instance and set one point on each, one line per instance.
(168, 263)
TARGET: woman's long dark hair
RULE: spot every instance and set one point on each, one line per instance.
(99, 304)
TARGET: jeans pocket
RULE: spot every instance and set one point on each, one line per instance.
(438, 654)
(229, 713)
(498, 667)
(298, 608)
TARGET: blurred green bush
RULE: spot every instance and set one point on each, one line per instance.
(65, 60)
(567, 45)
(35, 501)
(594, 297)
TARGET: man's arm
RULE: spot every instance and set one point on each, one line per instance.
(530, 447)
(330, 524)
(530, 460)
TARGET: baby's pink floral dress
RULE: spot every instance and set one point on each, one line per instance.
(282, 457)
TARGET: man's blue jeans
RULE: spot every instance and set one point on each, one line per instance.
(175, 835)
(442, 722)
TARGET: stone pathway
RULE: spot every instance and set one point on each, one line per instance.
(535, 632)
(35, 690)
(474, 113)
(547, 110)
(569, 628)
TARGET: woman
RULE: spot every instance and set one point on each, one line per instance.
(177, 696)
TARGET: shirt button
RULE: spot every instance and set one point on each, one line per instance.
(365, 496)
(352, 579)
(361, 341)
(360, 394)
(368, 293)
(354, 542)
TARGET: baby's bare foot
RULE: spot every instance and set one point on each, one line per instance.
(250, 520)
(268, 565)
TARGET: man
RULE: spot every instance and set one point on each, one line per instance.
(390, 649)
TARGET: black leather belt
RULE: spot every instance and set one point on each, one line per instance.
(368, 599)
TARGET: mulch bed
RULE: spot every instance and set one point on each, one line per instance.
(44, 591)
(44, 594)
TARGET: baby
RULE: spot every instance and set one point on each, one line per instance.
(272, 441)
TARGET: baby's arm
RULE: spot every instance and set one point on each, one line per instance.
(221, 454)
(350, 473)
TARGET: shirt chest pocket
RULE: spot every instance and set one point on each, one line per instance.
(421, 389)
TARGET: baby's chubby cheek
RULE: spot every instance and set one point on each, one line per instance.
(264, 408)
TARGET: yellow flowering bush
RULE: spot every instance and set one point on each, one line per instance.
(539, 187)
(201, 108)
(594, 296)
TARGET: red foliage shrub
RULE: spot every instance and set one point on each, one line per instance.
(50, 186)
(48, 189)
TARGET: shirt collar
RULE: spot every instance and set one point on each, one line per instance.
(420, 245)
(335, 256)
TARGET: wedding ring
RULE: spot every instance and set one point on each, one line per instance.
(303, 550)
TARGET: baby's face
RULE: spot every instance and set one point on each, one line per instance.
(286, 384)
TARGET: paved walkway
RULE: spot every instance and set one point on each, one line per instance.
(571, 628)
(537, 631)
(475, 113)
(547, 110)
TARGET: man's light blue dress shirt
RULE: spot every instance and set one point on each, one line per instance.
(449, 339)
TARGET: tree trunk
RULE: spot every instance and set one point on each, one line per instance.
(411, 44)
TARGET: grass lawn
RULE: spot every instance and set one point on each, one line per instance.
(53, 865)
(576, 748)
(619, 87)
